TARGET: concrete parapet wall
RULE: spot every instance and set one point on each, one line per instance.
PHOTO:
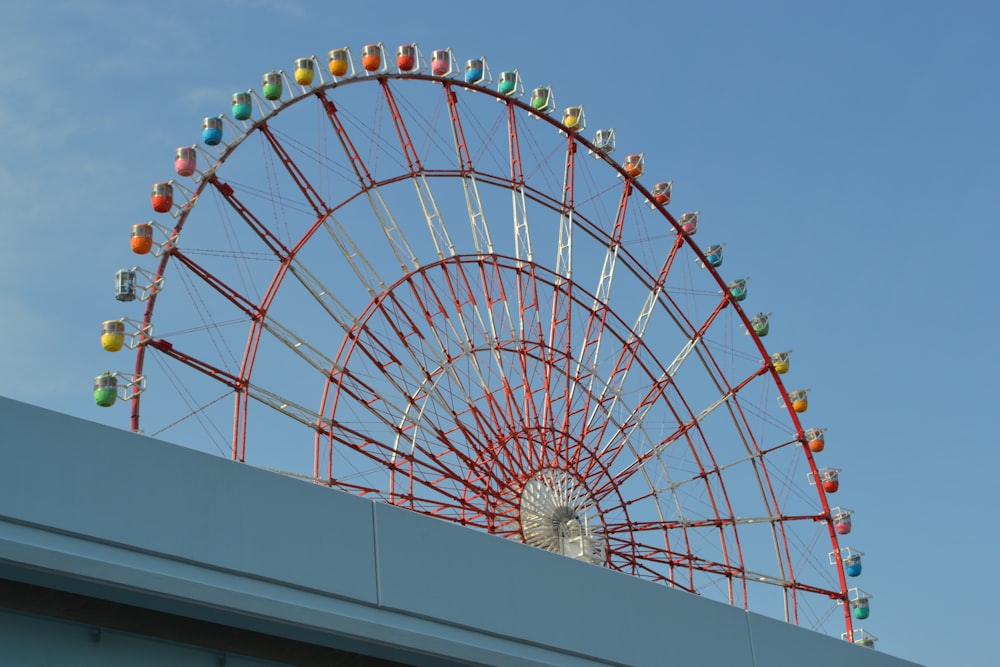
(106, 513)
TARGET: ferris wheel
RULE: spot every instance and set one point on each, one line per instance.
(406, 280)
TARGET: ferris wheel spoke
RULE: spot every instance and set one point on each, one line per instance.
(448, 506)
(235, 297)
(674, 485)
(344, 241)
(300, 346)
(389, 451)
(558, 371)
(586, 369)
(465, 334)
(270, 240)
(502, 339)
(711, 523)
(419, 459)
(405, 257)
(361, 172)
(727, 398)
(588, 358)
(636, 417)
(528, 345)
(428, 466)
(722, 570)
(737, 415)
(558, 381)
(391, 369)
(297, 412)
(435, 224)
(522, 235)
(439, 353)
(385, 359)
(481, 432)
(608, 395)
(315, 201)
(301, 414)
(401, 249)
(564, 247)
(634, 422)
(603, 292)
(611, 388)
(481, 239)
(510, 460)
(655, 292)
(653, 563)
(725, 387)
(325, 297)
(685, 561)
(696, 338)
(436, 478)
(363, 268)
(294, 342)
(500, 325)
(775, 522)
(610, 452)
(218, 374)
(468, 503)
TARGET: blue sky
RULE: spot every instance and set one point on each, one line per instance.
(845, 152)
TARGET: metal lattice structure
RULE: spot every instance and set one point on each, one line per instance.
(419, 287)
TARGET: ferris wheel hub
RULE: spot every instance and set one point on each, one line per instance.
(557, 513)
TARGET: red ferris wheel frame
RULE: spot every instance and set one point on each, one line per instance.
(523, 452)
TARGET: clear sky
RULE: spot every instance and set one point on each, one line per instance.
(846, 151)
